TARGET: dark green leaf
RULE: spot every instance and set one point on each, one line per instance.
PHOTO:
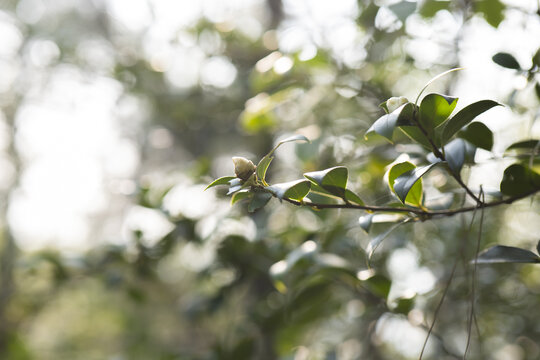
(537, 90)
(493, 11)
(386, 124)
(435, 109)
(506, 254)
(333, 180)
(352, 198)
(414, 195)
(465, 116)
(527, 147)
(294, 190)
(221, 181)
(506, 60)
(479, 135)
(519, 180)
(403, 9)
(417, 135)
(457, 153)
(379, 285)
(430, 7)
(259, 200)
(403, 305)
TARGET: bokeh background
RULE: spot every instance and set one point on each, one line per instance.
(116, 114)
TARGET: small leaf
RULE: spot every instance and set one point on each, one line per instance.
(379, 285)
(506, 60)
(259, 200)
(479, 135)
(430, 7)
(414, 195)
(351, 197)
(527, 147)
(506, 254)
(239, 196)
(221, 181)
(435, 109)
(519, 180)
(294, 190)
(386, 124)
(465, 116)
(366, 221)
(262, 167)
(403, 9)
(537, 90)
(457, 153)
(377, 240)
(493, 11)
(405, 182)
(333, 180)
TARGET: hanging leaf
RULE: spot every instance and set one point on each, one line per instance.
(519, 180)
(377, 240)
(221, 181)
(366, 221)
(506, 60)
(457, 153)
(333, 180)
(403, 9)
(414, 133)
(294, 190)
(414, 195)
(386, 124)
(259, 200)
(430, 7)
(493, 11)
(405, 182)
(527, 147)
(463, 117)
(506, 254)
(435, 109)
(478, 134)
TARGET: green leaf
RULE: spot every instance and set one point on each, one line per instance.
(386, 124)
(333, 180)
(465, 116)
(236, 185)
(430, 7)
(294, 190)
(414, 195)
(221, 181)
(435, 109)
(493, 11)
(417, 135)
(479, 135)
(506, 254)
(526, 147)
(518, 180)
(239, 196)
(292, 138)
(403, 9)
(506, 60)
(406, 181)
(259, 200)
(538, 247)
(351, 197)
(537, 90)
(457, 153)
(262, 167)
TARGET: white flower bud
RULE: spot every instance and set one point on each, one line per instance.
(394, 102)
(243, 168)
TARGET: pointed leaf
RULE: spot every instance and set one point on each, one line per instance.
(291, 139)
(386, 124)
(366, 221)
(527, 147)
(239, 196)
(479, 135)
(405, 182)
(506, 254)
(259, 200)
(377, 240)
(457, 153)
(262, 167)
(351, 197)
(333, 180)
(221, 181)
(294, 190)
(506, 60)
(435, 109)
(465, 116)
(519, 180)
(415, 193)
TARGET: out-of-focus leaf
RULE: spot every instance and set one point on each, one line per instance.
(506, 254)
(259, 200)
(479, 135)
(377, 240)
(239, 196)
(221, 181)
(493, 11)
(538, 247)
(386, 124)
(377, 284)
(430, 7)
(366, 221)
(403, 9)
(295, 190)
(537, 90)
(527, 147)
(292, 138)
(403, 305)
(519, 180)
(463, 117)
(506, 60)
(333, 180)
(435, 109)
(414, 194)
(236, 185)
(352, 198)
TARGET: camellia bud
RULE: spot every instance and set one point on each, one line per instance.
(243, 168)
(394, 102)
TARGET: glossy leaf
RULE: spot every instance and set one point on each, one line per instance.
(405, 182)
(463, 117)
(294, 190)
(506, 60)
(457, 153)
(259, 200)
(414, 195)
(221, 181)
(333, 180)
(507, 254)
(479, 135)
(386, 124)
(435, 109)
(518, 180)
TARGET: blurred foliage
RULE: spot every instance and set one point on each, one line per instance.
(283, 282)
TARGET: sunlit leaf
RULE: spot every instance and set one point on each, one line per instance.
(518, 180)
(463, 117)
(386, 124)
(507, 254)
(239, 196)
(457, 153)
(292, 138)
(435, 109)
(479, 135)
(405, 182)
(221, 181)
(414, 195)
(262, 167)
(333, 180)
(506, 60)
(294, 190)
(259, 200)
